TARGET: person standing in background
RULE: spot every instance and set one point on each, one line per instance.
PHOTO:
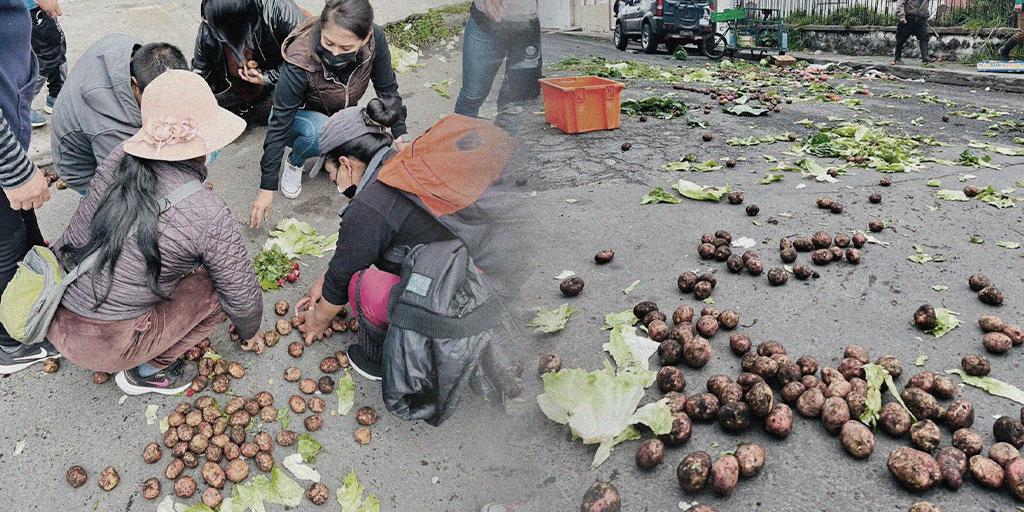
(51, 51)
(1018, 37)
(238, 51)
(500, 31)
(25, 187)
(913, 16)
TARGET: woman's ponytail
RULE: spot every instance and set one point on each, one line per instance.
(385, 114)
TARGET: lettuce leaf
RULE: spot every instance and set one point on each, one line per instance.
(630, 352)
(600, 407)
(442, 88)
(876, 377)
(632, 286)
(659, 195)
(296, 238)
(309, 448)
(283, 418)
(350, 496)
(613, 320)
(279, 489)
(990, 385)
(294, 463)
(694, 191)
(945, 321)
(403, 60)
(345, 390)
(552, 320)
(708, 166)
(996, 198)
(952, 195)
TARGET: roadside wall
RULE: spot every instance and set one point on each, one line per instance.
(949, 43)
(586, 15)
(593, 15)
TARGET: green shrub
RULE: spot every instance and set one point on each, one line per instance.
(432, 27)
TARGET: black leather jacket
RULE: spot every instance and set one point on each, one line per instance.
(280, 17)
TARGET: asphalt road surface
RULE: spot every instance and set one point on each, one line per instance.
(581, 194)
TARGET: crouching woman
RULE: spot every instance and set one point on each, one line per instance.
(163, 258)
(356, 145)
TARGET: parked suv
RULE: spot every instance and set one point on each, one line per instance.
(673, 22)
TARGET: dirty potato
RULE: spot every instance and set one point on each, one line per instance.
(915, 470)
(751, 458)
(857, 439)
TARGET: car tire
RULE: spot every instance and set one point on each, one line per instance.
(620, 38)
(648, 38)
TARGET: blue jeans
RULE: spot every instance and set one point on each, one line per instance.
(304, 136)
(518, 45)
(482, 55)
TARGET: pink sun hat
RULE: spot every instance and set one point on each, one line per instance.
(181, 120)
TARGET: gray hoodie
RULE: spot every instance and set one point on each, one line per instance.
(95, 111)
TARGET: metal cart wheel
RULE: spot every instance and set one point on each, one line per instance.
(714, 46)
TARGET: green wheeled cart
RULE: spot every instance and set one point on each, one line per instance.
(759, 31)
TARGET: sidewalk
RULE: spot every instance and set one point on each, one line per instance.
(949, 73)
(175, 22)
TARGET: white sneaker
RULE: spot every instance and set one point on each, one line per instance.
(291, 180)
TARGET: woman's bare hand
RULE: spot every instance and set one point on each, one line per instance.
(255, 344)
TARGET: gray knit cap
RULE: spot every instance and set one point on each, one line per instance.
(345, 125)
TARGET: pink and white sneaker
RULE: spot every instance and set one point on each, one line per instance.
(172, 380)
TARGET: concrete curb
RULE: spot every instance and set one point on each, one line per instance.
(970, 79)
(931, 74)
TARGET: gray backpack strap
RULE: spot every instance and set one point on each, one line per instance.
(45, 306)
(166, 203)
(179, 194)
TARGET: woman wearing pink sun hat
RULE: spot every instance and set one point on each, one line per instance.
(165, 262)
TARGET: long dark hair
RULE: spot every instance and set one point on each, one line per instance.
(356, 16)
(132, 200)
(364, 147)
(232, 18)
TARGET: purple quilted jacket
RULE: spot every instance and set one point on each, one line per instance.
(197, 231)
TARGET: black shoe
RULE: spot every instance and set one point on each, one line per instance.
(1004, 52)
(362, 364)
(24, 356)
(172, 380)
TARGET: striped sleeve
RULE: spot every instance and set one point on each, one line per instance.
(15, 167)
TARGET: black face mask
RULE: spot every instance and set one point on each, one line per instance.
(336, 64)
(350, 192)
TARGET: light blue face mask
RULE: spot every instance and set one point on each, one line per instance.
(212, 157)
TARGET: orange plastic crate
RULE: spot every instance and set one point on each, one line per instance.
(577, 104)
